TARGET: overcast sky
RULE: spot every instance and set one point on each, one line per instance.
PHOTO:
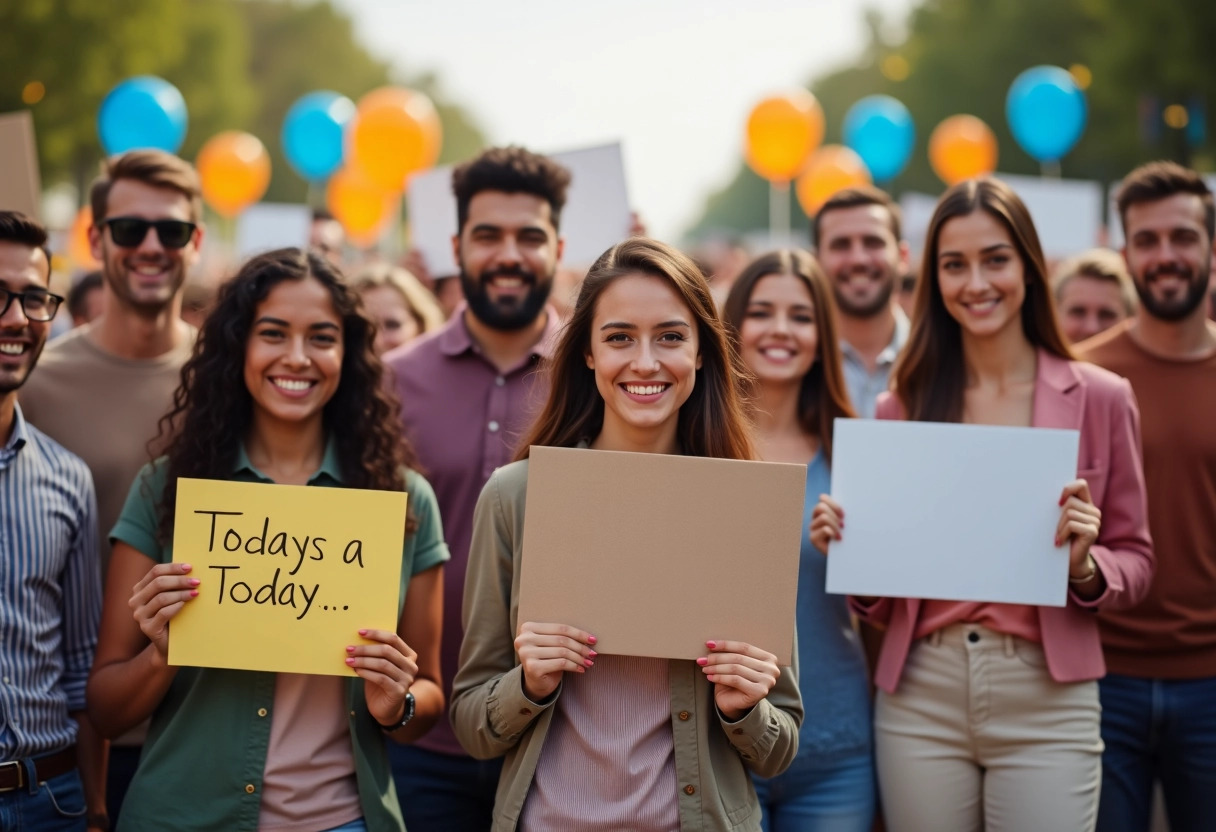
(672, 79)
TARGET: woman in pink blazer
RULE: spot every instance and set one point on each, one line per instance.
(987, 715)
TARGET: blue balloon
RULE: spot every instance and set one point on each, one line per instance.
(880, 129)
(142, 112)
(1046, 112)
(312, 133)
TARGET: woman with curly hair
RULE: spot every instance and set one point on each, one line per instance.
(620, 742)
(283, 387)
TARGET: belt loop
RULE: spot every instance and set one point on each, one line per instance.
(1011, 648)
(31, 775)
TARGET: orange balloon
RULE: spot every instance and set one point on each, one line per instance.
(234, 169)
(782, 132)
(831, 169)
(359, 204)
(79, 251)
(962, 147)
(395, 133)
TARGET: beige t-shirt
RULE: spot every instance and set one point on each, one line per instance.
(309, 781)
(104, 409)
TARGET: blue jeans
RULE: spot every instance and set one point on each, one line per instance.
(354, 826)
(443, 792)
(820, 794)
(1158, 729)
(56, 805)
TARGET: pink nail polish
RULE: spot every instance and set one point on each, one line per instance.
(593, 654)
(588, 663)
(194, 593)
(194, 582)
(350, 649)
(186, 567)
(592, 639)
(712, 678)
(350, 661)
(711, 644)
(702, 661)
(361, 632)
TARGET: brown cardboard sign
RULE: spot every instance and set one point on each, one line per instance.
(20, 182)
(655, 554)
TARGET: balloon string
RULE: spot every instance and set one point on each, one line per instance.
(779, 213)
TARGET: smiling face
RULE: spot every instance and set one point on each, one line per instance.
(293, 358)
(22, 269)
(1169, 254)
(508, 251)
(778, 338)
(645, 353)
(146, 277)
(980, 275)
(1089, 305)
(862, 258)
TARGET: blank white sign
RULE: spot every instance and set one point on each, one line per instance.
(948, 511)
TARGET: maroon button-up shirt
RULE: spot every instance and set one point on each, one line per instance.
(465, 419)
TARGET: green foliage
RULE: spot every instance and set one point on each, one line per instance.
(964, 54)
(240, 64)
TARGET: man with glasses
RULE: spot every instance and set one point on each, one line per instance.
(50, 590)
(102, 388)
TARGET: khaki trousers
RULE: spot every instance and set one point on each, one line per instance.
(979, 736)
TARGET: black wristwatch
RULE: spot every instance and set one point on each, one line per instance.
(405, 717)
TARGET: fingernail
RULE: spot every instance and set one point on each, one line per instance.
(581, 669)
(712, 678)
(186, 567)
(349, 649)
(592, 639)
(363, 632)
(350, 661)
(702, 661)
(194, 582)
(593, 654)
(588, 663)
(711, 644)
(194, 593)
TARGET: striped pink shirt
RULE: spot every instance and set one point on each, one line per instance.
(608, 762)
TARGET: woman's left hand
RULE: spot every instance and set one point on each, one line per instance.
(742, 675)
(388, 667)
(1080, 522)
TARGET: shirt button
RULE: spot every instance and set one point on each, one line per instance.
(690, 790)
(500, 381)
(7, 681)
(683, 716)
(493, 426)
(262, 712)
(249, 789)
(973, 637)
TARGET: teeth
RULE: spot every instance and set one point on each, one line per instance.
(508, 282)
(778, 353)
(982, 305)
(288, 384)
(149, 271)
(12, 349)
(645, 389)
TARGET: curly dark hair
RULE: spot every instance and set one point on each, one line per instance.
(212, 409)
(512, 170)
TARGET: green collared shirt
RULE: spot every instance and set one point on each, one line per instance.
(202, 764)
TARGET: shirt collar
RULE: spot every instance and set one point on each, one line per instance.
(455, 338)
(330, 466)
(899, 337)
(20, 434)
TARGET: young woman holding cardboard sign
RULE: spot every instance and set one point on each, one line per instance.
(783, 319)
(625, 743)
(988, 714)
(234, 749)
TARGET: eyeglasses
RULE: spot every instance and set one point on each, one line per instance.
(129, 232)
(37, 306)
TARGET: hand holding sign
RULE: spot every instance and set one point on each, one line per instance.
(389, 667)
(546, 651)
(742, 675)
(158, 597)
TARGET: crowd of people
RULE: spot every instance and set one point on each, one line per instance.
(919, 714)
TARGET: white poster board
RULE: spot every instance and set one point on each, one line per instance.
(270, 225)
(596, 215)
(949, 511)
(1067, 213)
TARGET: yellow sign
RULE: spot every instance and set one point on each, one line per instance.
(289, 574)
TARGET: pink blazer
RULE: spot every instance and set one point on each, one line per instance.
(1076, 395)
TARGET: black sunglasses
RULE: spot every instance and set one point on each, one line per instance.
(129, 232)
(37, 306)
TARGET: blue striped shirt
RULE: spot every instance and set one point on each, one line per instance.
(50, 591)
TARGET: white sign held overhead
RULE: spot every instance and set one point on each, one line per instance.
(270, 225)
(596, 215)
(948, 511)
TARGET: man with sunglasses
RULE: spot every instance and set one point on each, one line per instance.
(102, 388)
(50, 594)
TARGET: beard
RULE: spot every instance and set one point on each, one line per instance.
(1175, 309)
(867, 308)
(508, 314)
(118, 274)
(8, 383)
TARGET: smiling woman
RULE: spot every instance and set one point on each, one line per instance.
(312, 411)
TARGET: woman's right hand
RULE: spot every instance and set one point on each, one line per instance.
(546, 651)
(827, 523)
(158, 597)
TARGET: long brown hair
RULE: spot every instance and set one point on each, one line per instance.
(822, 396)
(930, 376)
(712, 422)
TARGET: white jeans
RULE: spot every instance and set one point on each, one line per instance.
(979, 736)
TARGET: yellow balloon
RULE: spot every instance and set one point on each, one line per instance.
(962, 147)
(234, 170)
(831, 169)
(359, 204)
(782, 132)
(395, 133)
